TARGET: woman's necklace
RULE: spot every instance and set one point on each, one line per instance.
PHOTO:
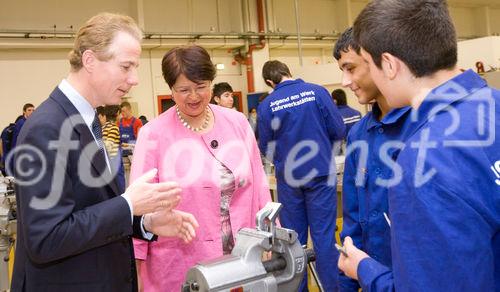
(187, 125)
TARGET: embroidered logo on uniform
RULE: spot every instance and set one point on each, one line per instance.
(496, 170)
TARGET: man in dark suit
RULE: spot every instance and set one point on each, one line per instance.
(74, 222)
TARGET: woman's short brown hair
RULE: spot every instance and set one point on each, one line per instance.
(192, 61)
(98, 33)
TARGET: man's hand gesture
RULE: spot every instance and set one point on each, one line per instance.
(148, 197)
(172, 223)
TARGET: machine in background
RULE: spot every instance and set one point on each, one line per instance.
(8, 224)
(244, 270)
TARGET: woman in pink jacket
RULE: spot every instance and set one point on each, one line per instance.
(212, 153)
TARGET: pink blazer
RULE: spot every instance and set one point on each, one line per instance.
(187, 157)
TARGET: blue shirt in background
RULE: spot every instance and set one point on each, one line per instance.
(350, 116)
(19, 125)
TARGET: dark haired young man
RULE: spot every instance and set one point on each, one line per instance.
(369, 159)
(222, 94)
(445, 212)
(303, 122)
(10, 134)
(28, 109)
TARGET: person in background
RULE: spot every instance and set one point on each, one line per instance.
(223, 94)
(28, 109)
(299, 119)
(212, 153)
(364, 200)
(143, 119)
(444, 203)
(111, 138)
(349, 115)
(129, 128)
(7, 144)
(252, 119)
(74, 226)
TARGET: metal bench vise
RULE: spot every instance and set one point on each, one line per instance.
(245, 270)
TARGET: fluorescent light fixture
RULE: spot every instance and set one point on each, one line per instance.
(219, 66)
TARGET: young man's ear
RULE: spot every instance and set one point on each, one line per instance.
(88, 60)
(270, 83)
(391, 65)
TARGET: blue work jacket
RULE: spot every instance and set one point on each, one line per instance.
(300, 122)
(445, 212)
(364, 193)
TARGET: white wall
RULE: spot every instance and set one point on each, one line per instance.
(259, 58)
(28, 76)
(486, 50)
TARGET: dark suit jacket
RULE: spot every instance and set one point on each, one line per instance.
(76, 237)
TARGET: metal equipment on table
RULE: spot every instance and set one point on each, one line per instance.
(244, 269)
(7, 227)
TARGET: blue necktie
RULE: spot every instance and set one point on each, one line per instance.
(97, 131)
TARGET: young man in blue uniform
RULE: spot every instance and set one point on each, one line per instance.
(445, 211)
(28, 109)
(298, 125)
(371, 147)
